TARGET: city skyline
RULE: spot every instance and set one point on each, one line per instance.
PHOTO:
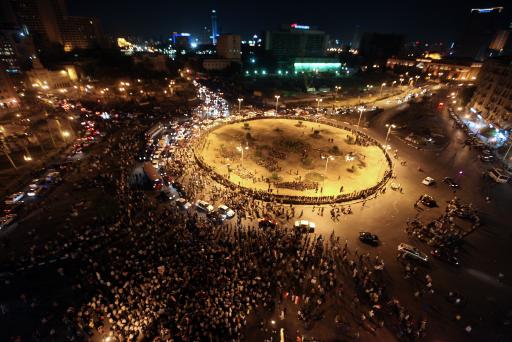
(432, 21)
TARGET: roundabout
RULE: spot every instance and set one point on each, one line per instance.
(294, 160)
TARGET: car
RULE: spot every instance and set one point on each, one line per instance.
(34, 191)
(304, 226)
(451, 183)
(6, 220)
(14, 198)
(486, 157)
(444, 255)
(412, 252)
(215, 217)
(428, 201)
(179, 188)
(267, 223)
(204, 206)
(369, 238)
(428, 181)
(183, 204)
(53, 177)
(225, 211)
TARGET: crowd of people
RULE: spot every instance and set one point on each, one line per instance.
(158, 272)
(445, 231)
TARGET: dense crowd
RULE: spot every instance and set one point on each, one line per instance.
(445, 231)
(164, 274)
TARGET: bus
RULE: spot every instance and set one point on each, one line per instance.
(155, 131)
(153, 176)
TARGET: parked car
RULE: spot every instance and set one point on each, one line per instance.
(451, 183)
(486, 158)
(34, 191)
(183, 204)
(179, 188)
(215, 217)
(428, 201)
(6, 220)
(412, 252)
(53, 177)
(369, 238)
(14, 198)
(499, 175)
(444, 255)
(225, 211)
(204, 206)
(428, 181)
(304, 226)
(267, 223)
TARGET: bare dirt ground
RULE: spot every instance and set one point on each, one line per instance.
(286, 155)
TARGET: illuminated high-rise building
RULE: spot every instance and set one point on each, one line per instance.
(49, 24)
(215, 31)
(480, 31)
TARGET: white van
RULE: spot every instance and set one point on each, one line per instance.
(499, 175)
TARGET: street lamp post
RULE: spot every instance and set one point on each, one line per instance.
(381, 87)
(360, 114)
(327, 158)
(277, 101)
(318, 104)
(241, 149)
(336, 88)
(401, 81)
(389, 126)
(240, 105)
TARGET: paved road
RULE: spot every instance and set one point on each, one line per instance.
(487, 250)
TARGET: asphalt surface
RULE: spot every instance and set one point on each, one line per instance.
(485, 255)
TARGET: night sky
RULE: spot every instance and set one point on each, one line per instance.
(433, 20)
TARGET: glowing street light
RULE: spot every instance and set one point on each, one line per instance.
(241, 149)
(318, 104)
(336, 88)
(401, 81)
(389, 126)
(381, 87)
(393, 83)
(239, 104)
(327, 158)
(277, 101)
(361, 109)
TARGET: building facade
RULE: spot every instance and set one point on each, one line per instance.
(216, 64)
(16, 49)
(446, 69)
(493, 96)
(229, 46)
(43, 18)
(9, 100)
(81, 33)
(296, 41)
(49, 24)
(479, 35)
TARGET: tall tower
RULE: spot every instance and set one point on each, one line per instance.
(215, 32)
